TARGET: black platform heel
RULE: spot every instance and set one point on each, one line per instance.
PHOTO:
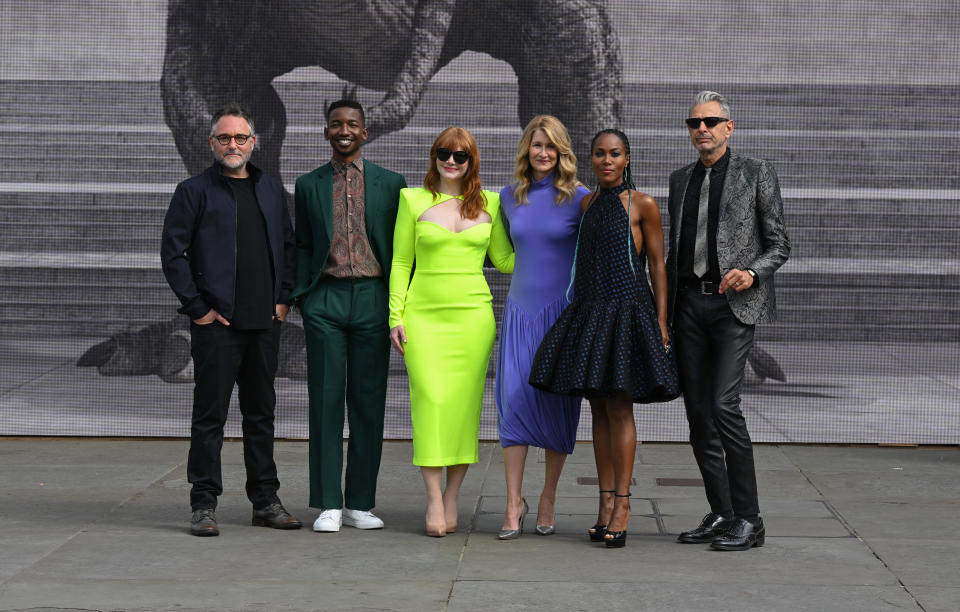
(616, 539)
(597, 532)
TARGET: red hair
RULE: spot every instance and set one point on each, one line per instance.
(459, 139)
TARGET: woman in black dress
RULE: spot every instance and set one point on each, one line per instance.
(611, 344)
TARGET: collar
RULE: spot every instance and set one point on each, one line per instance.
(719, 167)
(341, 167)
(545, 181)
(216, 170)
(615, 190)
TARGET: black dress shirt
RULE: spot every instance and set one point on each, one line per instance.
(688, 227)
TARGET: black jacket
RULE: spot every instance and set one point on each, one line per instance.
(198, 250)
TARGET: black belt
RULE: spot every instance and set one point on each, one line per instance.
(702, 287)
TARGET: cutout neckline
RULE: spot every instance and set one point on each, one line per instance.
(450, 231)
(420, 219)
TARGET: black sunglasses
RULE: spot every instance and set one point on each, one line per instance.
(711, 122)
(459, 157)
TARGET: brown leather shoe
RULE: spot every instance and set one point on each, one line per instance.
(204, 523)
(276, 516)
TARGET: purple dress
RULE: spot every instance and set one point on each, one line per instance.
(544, 235)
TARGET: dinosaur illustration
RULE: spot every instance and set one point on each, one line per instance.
(565, 54)
(163, 349)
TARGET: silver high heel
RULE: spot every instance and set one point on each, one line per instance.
(513, 534)
(546, 530)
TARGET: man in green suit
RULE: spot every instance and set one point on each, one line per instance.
(345, 213)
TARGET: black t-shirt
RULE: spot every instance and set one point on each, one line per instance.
(254, 306)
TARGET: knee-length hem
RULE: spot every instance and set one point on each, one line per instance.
(608, 340)
(447, 314)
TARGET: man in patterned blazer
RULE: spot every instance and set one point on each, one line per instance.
(345, 214)
(727, 238)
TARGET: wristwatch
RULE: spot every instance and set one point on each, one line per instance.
(756, 279)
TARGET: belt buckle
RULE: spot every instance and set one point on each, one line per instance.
(705, 287)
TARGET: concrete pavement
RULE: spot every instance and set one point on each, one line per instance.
(95, 524)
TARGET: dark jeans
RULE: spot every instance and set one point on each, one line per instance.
(712, 347)
(222, 357)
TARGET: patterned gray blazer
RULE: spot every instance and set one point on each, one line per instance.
(750, 233)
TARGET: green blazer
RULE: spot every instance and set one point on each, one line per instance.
(313, 199)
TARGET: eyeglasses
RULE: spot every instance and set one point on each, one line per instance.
(459, 157)
(711, 122)
(225, 139)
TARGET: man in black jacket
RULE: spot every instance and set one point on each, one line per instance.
(228, 252)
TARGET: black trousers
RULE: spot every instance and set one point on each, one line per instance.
(223, 357)
(712, 347)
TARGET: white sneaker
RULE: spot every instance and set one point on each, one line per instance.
(361, 519)
(328, 521)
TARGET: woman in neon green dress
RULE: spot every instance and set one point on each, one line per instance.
(442, 320)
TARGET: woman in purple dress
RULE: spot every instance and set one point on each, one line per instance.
(542, 209)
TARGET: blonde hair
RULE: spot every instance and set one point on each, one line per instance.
(565, 176)
(459, 139)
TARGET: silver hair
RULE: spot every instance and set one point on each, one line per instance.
(712, 96)
(234, 110)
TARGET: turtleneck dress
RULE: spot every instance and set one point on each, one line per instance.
(544, 235)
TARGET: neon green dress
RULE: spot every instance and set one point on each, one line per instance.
(447, 315)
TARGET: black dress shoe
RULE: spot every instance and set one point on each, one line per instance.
(741, 535)
(276, 516)
(711, 527)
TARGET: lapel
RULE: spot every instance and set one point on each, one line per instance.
(676, 216)
(325, 198)
(371, 194)
(732, 189)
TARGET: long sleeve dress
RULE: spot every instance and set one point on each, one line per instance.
(544, 235)
(447, 314)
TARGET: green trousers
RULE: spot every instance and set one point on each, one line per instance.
(348, 355)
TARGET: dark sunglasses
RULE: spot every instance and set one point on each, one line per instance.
(711, 122)
(459, 157)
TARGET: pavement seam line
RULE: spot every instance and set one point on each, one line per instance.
(853, 531)
(40, 560)
(657, 516)
(83, 529)
(143, 491)
(466, 539)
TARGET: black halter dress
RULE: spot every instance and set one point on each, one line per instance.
(608, 338)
